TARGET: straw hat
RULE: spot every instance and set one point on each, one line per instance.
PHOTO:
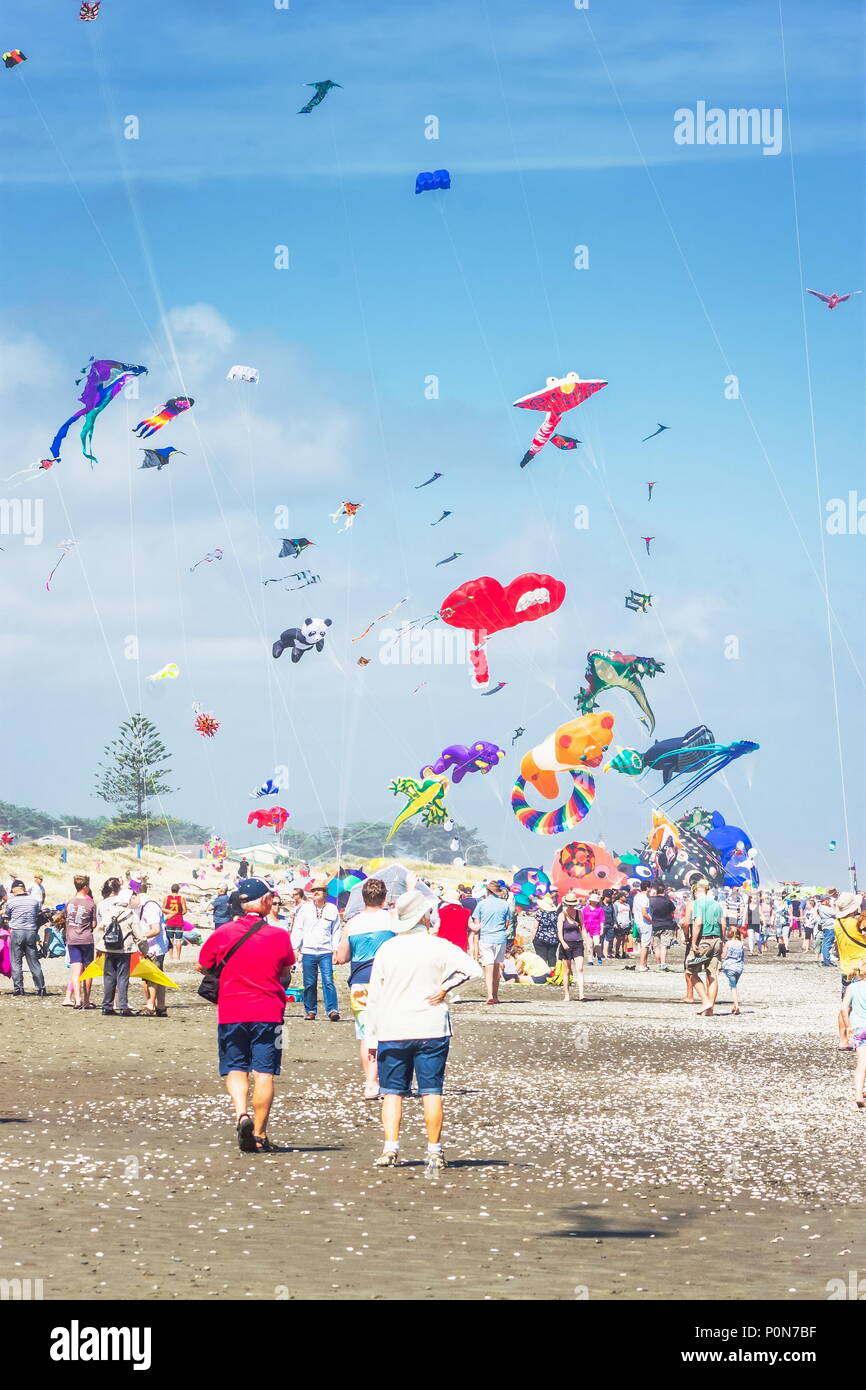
(450, 896)
(317, 883)
(571, 898)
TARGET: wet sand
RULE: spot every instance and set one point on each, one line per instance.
(617, 1149)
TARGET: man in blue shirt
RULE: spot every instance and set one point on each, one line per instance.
(220, 908)
(489, 928)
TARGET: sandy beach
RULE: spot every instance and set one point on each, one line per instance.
(619, 1148)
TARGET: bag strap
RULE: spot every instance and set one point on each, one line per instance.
(218, 969)
(858, 941)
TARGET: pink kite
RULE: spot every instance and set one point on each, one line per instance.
(833, 300)
(557, 397)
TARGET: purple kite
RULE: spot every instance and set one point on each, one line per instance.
(104, 380)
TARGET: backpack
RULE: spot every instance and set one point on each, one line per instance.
(115, 933)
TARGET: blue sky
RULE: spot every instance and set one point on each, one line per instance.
(557, 127)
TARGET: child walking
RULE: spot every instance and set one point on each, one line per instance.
(733, 961)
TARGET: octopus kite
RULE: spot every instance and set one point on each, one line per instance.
(427, 797)
(103, 380)
(170, 411)
(558, 396)
(695, 754)
(617, 671)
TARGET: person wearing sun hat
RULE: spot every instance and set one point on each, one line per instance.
(850, 946)
(408, 1023)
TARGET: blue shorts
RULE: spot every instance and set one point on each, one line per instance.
(80, 955)
(732, 976)
(249, 1047)
(425, 1056)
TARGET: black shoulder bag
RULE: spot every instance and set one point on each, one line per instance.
(209, 988)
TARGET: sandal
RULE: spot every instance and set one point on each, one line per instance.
(246, 1137)
(263, 1144)
(145, 1013)
(161, 1013)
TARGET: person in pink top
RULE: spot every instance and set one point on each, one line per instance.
(592, 917)
(251, 1004)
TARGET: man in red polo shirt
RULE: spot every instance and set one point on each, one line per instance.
(250, 1008)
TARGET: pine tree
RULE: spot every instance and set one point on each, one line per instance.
(137, 762)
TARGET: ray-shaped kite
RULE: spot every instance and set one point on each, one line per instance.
(428, 481)
(614, 670)
(559, 395)
(292, 547)
(427, 797)
(65, 547)
(103, 380)
(649, 489)
(518, 733)
(158, 458)
(349, 510)
(207, 559)
(322, 90)
(646, 540)
(380, 617)
(448, 558)
(440, 518)
(166, 413)
(89, 10)
(833, 300)
(564, 441)
(638, 603)
(655, 432)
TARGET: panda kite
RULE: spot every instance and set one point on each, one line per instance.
(297, 640)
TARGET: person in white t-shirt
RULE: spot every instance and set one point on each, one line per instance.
(640, 910)
(408, 1024)
(153, 932)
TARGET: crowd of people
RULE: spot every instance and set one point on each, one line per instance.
(407, 944)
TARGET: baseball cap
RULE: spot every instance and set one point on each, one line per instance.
(251, 889)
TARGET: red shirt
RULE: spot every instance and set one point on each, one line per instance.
(453, 927)
(250, 989)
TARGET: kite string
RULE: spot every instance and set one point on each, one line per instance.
(814, 446)
(555, 337)
(758, 438)
(194, 421)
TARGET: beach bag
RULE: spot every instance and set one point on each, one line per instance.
(209, 988)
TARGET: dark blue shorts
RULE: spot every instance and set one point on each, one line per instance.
(425, 1056)
(81, 955)
(249, 1047)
